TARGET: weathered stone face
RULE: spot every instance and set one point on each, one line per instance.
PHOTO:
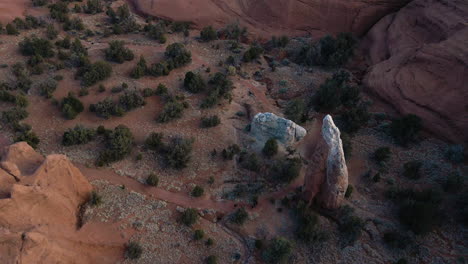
(267, 125)
(336, 181)
(327, 176)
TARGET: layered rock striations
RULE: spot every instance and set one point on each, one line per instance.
(326, 179)
(276, 16)
(419, 64)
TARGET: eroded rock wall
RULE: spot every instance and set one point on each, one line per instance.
(267, 17)
(419, 64)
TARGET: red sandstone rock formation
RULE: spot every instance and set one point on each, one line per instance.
(39, 204)
(326, 178)
(420, 64)
(268, 17)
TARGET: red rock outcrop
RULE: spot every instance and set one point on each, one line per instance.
(39, 206)
(267, 17)
(326, 178)
(419, 64)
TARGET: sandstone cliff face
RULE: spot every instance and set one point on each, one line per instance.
(39, 203)
(327, 177)
(419, 59)
(268, 17)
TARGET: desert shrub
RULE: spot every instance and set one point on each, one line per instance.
(279, 42)
(335, 93)
(286, 170)
(197, 191)
(172, 110)
(40, 2)
(220, 86)
(131, 100)
(239, 216)
(212, 259)
(376, 177)
(140, 70)
(5, 96)
(159, 69)
(252, 53)
(210, 121)
(270, 148)
(77, 47)
(122, 13)
(147, 92)
(120, 88)
(208, 34)
(117, 52)
(382, 155)
(335, 52)
(455, 153)
(11, 29)
(454, 182)
(157, 32)
(296, 110)
(198, 234)
(122, 21)
(406, 129)
(154, 141)
(178, 153)
(152, 180)
(233, 31)
(106, 108)
(133, 250)
(29, 22)
(328, 51)
(189, 217)
(93, 7)
(14, 115)
(59, 11)
(21, 100)
(71, 106)
(128, 25)
(411, 169)
(179, 26)
(29, 137)
(349, 225)
(96, 72)
(51, 32)
(228, 154)
(34, 46)
(77, 8)
(354, 118)
(95, 199)
(119, 144)
(418, 210)
(278, 251)
(209, 242)
(78, 135)
(47, 87)
(396, 239)
(64, 43)
(308, 224)
(349, 191)
(193, 82)
(178, 55)
(73, 24)
(250, 161)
